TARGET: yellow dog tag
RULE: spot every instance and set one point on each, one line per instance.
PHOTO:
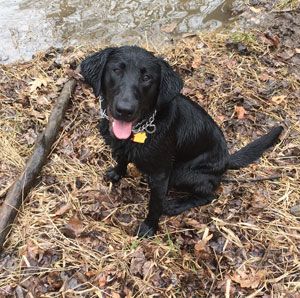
(139, 137)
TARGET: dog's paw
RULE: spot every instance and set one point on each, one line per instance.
(144, 230)
(173, 207)
(112, 175)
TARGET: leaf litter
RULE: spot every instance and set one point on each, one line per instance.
(73, 236)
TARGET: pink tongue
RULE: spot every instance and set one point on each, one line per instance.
(121, 129)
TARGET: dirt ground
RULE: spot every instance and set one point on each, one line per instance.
(73, 234)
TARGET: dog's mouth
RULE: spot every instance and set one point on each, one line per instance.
(121, 129)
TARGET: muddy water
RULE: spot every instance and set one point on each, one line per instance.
(29, 25)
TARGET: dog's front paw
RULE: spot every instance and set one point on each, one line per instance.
(112, 175)
(144, 230)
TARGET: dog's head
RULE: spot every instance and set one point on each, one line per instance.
(133, 83)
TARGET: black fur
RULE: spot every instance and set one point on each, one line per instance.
(187, 151)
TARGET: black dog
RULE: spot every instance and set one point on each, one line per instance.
(165, 134)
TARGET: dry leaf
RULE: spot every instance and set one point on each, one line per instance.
(286, 55)
(197, 62)
(115, 295)
(64, 208)
(229, 63)
(258, 201)
(169, 28)
(137, 262)
(255, 10)
(240, 111)
(272, 41)
(195, 224)
(74, 227)
(251, 280)
(42, 100)
(202, 250)
(264, 77)
(30, 136)
(32, 249)
(102, 279)
(133, 171)
(278, 99)
(148, 269)
(61, 81)
(38, 83)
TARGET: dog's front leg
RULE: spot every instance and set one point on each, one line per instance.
(159, 184)
(116, 173)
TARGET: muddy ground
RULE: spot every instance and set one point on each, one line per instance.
(73, 235)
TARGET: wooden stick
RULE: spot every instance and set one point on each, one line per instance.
(18, 191)
(229, 179)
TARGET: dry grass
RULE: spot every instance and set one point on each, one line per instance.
(245, 244)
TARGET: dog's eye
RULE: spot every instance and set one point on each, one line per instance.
(117, 71)
(146, 78)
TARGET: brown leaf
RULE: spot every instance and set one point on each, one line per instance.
(202, 250)
(278, 99)
(264, 77)
(133, 171)
(32, 249)
(258, 201)
(199, 96)
(250, 280)
(271, 40)
(286, 55)
(148, 269)
(240, 111)
(221, 118)
(61, 81)
(229, 63)
(42, 100)
(137, 261)
(74, 227)
(30, 136)
(169, 28)
(255, 10)
(195, 224)
(197, 62)
(64, 208)
(38, 83)
(115, 295)
(102, 279)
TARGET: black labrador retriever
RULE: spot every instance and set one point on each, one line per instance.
(170, 138)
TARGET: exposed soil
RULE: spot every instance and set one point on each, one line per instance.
(275, 18)
(73, 235)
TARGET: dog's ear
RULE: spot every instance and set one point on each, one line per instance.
(92, 69)
(170, 83)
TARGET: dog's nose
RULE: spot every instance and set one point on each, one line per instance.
(125, 109)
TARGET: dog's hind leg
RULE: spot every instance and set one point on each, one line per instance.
(201, 186)
(179, 205)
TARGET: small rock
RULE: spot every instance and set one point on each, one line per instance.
(295, 210)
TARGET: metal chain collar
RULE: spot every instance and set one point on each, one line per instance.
(149, 127)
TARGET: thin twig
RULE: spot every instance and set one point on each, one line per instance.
(231, 179)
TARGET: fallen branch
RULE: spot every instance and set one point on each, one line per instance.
(229, 179)
(18, 191)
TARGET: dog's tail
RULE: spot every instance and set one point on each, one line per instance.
(254, 150)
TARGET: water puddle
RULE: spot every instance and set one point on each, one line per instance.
(27, 26)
